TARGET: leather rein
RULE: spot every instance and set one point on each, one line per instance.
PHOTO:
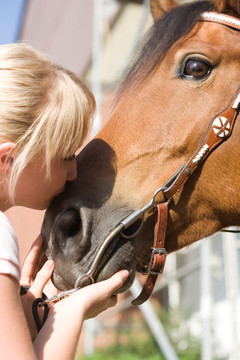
(219, 130)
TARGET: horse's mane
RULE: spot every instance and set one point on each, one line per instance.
(160, 37)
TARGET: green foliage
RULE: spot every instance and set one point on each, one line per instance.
(121, 356)
(177, 328)
(134, 350)
(133, 340)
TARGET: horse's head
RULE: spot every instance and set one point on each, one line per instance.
(186, 72)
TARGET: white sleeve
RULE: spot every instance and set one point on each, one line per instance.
(9, 252)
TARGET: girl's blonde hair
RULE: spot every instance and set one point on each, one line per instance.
(44, 108)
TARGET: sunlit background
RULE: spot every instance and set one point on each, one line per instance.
(194, 312)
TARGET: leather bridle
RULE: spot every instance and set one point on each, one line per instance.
(219, 130)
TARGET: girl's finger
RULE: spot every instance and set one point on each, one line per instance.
(30, 261)
(104, 289)
(117, 280)
(42, 277)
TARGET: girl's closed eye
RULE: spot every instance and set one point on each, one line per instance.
(70, 158)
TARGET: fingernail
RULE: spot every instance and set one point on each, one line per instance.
(125, 274)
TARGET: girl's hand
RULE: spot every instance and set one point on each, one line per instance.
(99, 296)
(93, 299)
(37, 277)
(65, 318)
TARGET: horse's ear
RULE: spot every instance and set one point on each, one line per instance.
(160, 7)
(227, 6)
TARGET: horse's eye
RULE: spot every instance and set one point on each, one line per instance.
(197, 68)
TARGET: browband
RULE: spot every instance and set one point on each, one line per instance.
(221, 19)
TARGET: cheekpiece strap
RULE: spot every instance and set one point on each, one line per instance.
(158, 255)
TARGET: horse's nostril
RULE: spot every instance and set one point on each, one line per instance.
(70, 223)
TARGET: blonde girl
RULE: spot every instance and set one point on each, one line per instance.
(45, 112)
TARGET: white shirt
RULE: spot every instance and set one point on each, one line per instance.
(9, 251)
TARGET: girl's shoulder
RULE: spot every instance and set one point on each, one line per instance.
(6, 226)
(9, 251)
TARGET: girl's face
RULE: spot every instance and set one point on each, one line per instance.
(35, 190)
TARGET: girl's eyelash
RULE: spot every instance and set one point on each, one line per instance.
(69, 158)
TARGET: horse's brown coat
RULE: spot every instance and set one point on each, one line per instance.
(155, 127)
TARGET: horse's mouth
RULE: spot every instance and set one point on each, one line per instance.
(127, 284)
(118, 256)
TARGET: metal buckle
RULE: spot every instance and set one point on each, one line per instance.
(161, 251)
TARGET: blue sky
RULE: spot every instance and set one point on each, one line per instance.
(11, 12)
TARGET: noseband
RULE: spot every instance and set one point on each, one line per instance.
(219, 130)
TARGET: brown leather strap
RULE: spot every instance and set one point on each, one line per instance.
(222, 19)
(158, 255)
(220, 129)
(158, 258)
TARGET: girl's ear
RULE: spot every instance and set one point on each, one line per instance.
(7, 151)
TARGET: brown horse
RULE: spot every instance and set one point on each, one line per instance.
(186, 72)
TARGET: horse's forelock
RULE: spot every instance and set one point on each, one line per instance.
(161, 36)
